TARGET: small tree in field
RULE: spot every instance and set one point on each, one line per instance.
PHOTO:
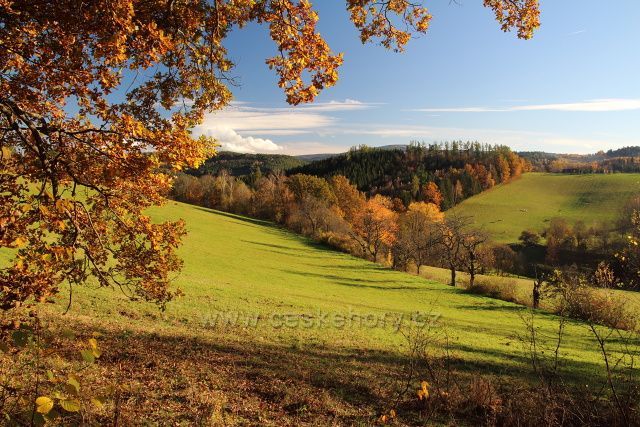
(472, 244)
(451, 236)
(375, 227)
(418, 236)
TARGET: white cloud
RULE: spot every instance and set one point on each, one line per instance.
(346, 105)
(230, 140)
(265, 122)
(278, 121)
(596, 105)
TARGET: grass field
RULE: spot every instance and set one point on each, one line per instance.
(522, 286)
(296, 364)
(533, 199)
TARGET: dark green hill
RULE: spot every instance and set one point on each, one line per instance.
(239, 164)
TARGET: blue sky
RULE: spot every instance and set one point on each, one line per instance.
(573, 88)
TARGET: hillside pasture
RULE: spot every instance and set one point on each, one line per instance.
(255, 339)
(531, 201)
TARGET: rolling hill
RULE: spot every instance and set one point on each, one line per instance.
(253, 341)
(532, 200)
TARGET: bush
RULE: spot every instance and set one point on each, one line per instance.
(577, 299)
(506, 290)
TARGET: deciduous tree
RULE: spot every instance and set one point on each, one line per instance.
(452, 233)
(375, 226)
(418, 236)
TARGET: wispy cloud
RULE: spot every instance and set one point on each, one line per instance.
(243, 127)
(516, 139)
(575, 33)
(596, 105)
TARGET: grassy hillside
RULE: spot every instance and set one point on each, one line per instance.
(532, 200)
(304, 368)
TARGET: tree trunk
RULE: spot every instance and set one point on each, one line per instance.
(453, 276)
(536, 294)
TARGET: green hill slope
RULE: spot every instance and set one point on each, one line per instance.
(239, 265)
(532, 200)
(291, 350)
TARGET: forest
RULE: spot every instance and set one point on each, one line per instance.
(458, 169)
(239, 164)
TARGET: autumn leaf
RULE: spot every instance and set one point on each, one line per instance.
(44, 404)
(70, 405)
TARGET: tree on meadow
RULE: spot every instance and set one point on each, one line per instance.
(529, 238)
(629, 256)
(312, 215)
(505, 259)
(375, 226)
(303, 186)
(559, 236)
(452, 232)
(458, 192)
(504, 169)
(473, 244)
(348, 198)
(313, 203)
(85, 165)
(210, 197)
(417, 235)
(272, 198)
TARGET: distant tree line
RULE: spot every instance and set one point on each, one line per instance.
(240, 164)
(623, 160)
(458, 169)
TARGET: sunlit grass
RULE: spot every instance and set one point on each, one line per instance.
(531, 201)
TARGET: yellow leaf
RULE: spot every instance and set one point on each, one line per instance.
(70, 405)
(20, 242)
(44, 405)
(97, 402)
(93, 343)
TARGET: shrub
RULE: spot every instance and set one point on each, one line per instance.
(506, 290)
(576, 298)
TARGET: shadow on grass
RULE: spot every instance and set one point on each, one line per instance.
(494, 307)
(249, 220)
(256, 381)
(290, 250)
(358, 282)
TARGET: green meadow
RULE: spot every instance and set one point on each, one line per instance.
(532, 200)
(236, 265)
(271, 321)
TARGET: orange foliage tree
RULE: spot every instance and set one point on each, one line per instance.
(431, 194)
(375, 226)
(80, 165)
